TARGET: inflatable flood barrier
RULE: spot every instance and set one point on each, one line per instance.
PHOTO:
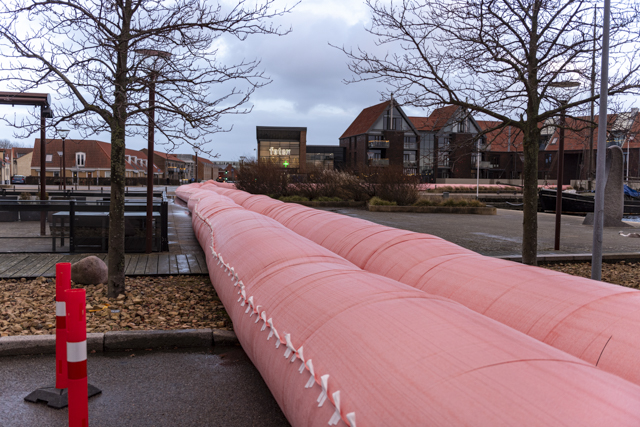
(338, 345)
(595, 321)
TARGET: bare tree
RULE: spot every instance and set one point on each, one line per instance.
(500, 59)
(85, 51)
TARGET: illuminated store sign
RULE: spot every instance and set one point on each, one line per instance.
(279, 151)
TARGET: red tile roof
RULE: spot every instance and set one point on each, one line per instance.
(365, 120)
(501, 140)
(98, 155)
(168, 156)
(436, 120)
(96, 158)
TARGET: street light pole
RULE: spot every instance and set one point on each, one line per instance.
(63, 134)
(567, 85)
(598, 209)
(151, 55)
(556, 245)
(60, 155)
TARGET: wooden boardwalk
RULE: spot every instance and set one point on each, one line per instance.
(36, 265)
(184, 257)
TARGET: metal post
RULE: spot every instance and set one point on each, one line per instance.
(152, 102)
(43, 170)
(556, 245)
(598, 214)
(593, 89)
(64, 168)
(72, 220)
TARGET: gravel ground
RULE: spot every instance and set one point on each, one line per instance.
(173, 302)
(621, 273)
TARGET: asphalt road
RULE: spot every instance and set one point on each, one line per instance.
(148, 388)
(501, 234)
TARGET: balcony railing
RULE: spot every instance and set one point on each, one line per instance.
(410, 164)
(410, 146)
(378, 144)
(378, 162)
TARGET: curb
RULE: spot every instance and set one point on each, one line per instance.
(122, 340)
(554, 258)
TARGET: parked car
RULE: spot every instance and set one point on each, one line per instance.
(18, 179)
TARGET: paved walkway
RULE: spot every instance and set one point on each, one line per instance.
(184, 257)
(148, 388)
(501, 235)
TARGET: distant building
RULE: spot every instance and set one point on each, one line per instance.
(283, 146)
(85, 159)
(382, 136)
(21, 161)
(325, 157)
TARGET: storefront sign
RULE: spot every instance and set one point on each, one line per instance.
(279, 151)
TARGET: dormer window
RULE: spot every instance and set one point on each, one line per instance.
(49, 158)
(80, 159)
(128, 158)
(135, 159)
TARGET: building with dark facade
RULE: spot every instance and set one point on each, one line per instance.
(449, 145)
(283, 146)
(382, 136)
(325, 157)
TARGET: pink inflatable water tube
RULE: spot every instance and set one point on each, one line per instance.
(595, 321)
(338, 345)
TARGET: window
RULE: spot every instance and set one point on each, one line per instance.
(80, 159)
(107, 174)
(49, 158)
(548, 158)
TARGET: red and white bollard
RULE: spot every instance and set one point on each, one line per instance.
(63, 283)
(77, 358)
(71, 353)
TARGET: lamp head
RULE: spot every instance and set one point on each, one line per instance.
(63, 133)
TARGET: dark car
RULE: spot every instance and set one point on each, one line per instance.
(18, 179)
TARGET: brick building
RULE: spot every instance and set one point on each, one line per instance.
(381, 136)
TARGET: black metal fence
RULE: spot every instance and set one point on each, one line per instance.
(85, 224)
(97, 181)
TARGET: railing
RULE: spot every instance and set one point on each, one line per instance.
(410, 164)
(410, 146)
(73, 211)
(378, 144)
(378, 162)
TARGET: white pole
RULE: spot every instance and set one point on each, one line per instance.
(478, 172)
(628, 144)
(598, 214)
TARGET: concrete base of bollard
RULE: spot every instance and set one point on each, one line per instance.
(56, 398)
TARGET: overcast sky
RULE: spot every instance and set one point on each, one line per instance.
(307, 88)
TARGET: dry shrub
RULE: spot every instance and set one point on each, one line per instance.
(393, 185)
(263, 178)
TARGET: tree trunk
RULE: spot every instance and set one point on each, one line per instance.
(116, 215)
(530, 195)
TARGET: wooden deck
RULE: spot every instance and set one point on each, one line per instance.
(157, 264)
(184, 257)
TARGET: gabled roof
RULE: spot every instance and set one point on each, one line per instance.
(436, 120)
(96, 157)
(168, 156)
(626, 123)
(18, 152)
(365, 120)
(506, 139)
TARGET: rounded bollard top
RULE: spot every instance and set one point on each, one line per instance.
(63, 279)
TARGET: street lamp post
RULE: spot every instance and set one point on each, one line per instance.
(563, 103)
(63, 134)
(60, 154)
(152, 56)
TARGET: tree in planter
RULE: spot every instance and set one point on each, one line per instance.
(86, 53)
(501, 59)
